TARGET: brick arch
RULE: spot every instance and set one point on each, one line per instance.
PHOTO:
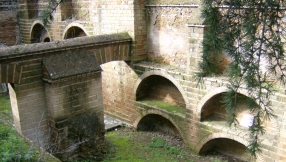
(235, 138)
(274, 123)
(157, 112)
(238, 139)
(212, 93)
(71, 25)
(44, 33)
(164, 75)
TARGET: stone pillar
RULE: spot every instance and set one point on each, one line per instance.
(76, 116)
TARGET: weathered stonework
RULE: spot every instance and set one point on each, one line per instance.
(55, 89)
(9, 29)
(167, 32)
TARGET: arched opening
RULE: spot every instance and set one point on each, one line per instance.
(47, 39)
(215, 110)
(39, 34)
(74, 32)
(227, 147)
(160, 92)
(153, 122)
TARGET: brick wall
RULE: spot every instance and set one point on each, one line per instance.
(94, 18)
(32, 103)
(9, 31)
(75, 104)
(206, 99)
(174, 37)
(118, 79)
(37, 105)
(160, 89)
(168, 33)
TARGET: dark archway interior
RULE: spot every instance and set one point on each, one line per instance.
(153, 122)
(227, 147)
(39, 34)
(74, 32)
(159, 88)
(47, 39)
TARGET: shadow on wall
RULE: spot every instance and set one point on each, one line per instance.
(153, 122)
(161, 89)
(74, 32)
(227, 147)
(214, 109)
(39, 34)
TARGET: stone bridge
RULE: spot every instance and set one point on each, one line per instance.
(67, 85)
(60, 86)
(55, 87)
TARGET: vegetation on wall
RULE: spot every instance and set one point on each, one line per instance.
(249, 33)
(46, 14)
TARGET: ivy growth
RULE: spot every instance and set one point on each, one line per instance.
(249, 33)
(46, 14)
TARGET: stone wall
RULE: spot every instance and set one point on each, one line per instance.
(9, 29)
(75, 113)
(71, 90)
(169, 33)
(171, 39)
(92, 17)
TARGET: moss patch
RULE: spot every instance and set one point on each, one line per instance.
(12, 146)
(128, 145)
(165, 106)
(131, 147)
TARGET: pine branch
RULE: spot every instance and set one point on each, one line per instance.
(247, 31)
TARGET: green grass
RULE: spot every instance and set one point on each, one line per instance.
(165, 106)
(13, 147)
(130, 148)
(4, 103)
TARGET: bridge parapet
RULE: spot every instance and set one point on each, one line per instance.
(105, 48)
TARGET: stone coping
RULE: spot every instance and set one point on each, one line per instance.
(39, 48)
(70, 63)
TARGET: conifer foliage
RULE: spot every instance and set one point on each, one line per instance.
(250, 33)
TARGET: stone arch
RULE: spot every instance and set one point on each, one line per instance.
(272, 127)
(235, 138)
(220, 135)
(159, 113)
(224, 143)
(164, 75)
(74, 30)
(39, 33)
(211, 94)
